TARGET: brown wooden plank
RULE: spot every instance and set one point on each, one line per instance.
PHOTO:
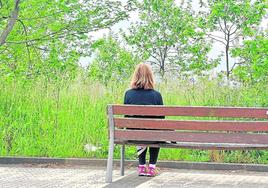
(202, 146)
(191, 124)
(152, 135)
(197, 111)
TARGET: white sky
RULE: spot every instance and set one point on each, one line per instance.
(216, 50)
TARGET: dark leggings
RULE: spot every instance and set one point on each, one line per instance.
(153, 156)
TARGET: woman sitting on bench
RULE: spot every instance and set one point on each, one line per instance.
(142, 93)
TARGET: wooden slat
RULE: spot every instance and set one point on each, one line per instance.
(190, 111)
(152, 135)
(194, 145)
(191, 125)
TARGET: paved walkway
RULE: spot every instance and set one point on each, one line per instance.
(40, 176)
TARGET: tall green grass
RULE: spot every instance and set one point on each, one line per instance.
(58, 120)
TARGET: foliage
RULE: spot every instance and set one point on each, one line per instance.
(231, 20)
(253, 60)
(43, 24)
(112, 62)
(167, 36)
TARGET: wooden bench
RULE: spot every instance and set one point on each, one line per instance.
(246, 134)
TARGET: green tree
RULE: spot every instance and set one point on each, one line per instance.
(28, 29)
(112, 62)
(167, 36)
(253, 60)
(229, 21)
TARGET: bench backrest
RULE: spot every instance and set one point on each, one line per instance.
(252, 129)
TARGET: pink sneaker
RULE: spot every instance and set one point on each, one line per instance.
(142, 170)
(152, 171)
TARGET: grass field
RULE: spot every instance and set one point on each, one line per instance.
(58, 120)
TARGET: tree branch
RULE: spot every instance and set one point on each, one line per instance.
(216, 36)
(152, 62)
(3, 17)
(225, 25)
(231, 27)
(27, 44)
(41, 17)
(11, 22)
(223, 30)
(235, 37)
(213, 37)
(158, 61)
(44, 37)
(42, 49)
(154, 49)
(61, 33)
(234, 66)
(3, 50)
(234, 31)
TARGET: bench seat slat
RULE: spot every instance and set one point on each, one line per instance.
(197, 111)
(196, 145)
(152, 135)
(191, 124)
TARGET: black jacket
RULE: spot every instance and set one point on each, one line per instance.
(143, 97)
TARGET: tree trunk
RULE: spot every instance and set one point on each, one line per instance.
(227, 56)
(10, 24)
(163, 60)
(162, 69)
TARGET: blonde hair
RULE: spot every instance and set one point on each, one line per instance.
(142, 77)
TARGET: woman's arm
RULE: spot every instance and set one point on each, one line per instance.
(126, 98)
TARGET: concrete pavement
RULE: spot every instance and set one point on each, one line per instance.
(46, 176)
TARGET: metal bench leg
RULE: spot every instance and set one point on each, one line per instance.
(109, 172)
(122, 161)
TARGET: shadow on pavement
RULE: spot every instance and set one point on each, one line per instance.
(132, 180)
